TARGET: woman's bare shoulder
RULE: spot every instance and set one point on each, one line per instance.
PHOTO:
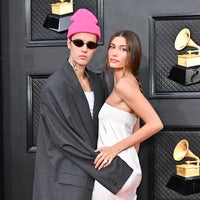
(127, 83)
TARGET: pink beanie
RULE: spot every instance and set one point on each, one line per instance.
(83, 21)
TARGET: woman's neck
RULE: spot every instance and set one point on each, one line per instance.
(120, 73)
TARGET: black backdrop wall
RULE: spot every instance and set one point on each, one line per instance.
(1, 153)
(24, 63)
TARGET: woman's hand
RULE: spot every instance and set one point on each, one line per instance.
(105, 156)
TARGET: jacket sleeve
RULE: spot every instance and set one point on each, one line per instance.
(68, 139)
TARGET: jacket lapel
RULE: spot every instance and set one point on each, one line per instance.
(82, 105)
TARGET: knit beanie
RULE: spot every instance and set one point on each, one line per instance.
(83, 21)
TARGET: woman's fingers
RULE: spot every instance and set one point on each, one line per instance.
(104, 158)
(102, 164)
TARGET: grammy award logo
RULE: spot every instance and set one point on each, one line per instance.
(187, 70)
(190, 168)
(187, 178)
(62, 7)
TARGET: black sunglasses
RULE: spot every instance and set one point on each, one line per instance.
(80, 43)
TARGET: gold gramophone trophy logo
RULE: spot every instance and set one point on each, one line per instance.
(187, 178)
(62, 7)
(187, 70)
(59, 18)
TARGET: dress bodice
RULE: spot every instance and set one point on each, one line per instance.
(115, 124)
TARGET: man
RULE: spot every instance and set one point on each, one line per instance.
(70, 102)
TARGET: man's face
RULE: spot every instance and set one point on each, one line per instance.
(81, 55)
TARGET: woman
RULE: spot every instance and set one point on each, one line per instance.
(119, 130)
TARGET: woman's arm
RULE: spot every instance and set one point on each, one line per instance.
(136, 128)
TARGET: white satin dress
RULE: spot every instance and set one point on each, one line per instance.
(114, 125)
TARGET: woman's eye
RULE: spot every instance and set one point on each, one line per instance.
(111, 47)
(123, 49)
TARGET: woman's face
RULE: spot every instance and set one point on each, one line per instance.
(117, 53)
(81, 55)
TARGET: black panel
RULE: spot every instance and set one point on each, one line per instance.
(163, 55)
(34, 87)
(36, 12)
(164, 165)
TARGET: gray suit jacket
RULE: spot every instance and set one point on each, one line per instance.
(67, 137)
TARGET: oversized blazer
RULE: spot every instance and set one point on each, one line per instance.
(67, 138)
